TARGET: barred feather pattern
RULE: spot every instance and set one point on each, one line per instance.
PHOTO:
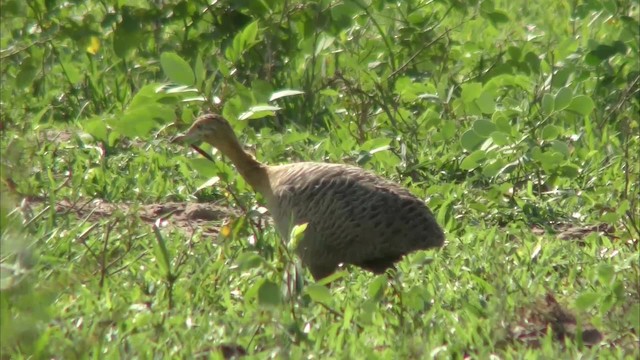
(354, 216)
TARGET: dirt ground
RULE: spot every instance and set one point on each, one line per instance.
(183, 216)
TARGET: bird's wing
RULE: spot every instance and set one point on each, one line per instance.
(353, 213)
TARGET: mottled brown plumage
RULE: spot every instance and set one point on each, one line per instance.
(353, 215)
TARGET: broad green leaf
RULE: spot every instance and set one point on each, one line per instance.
(582, 104)
(550, 160)
(294, 137)
(269, 294)
(26, 75)
(561, 147)
(297, 234)
(375, 143)
(324, 43)
(499, 138)
(486, 285)
(377, 287)
(570, 171)
(342, 15)
(484, 127)
(587, 300)
(606, 272)
(514, 52)
(602, 52)
(38, 116)
(487, 7)
(249, 260)
(259, 111)
(471, 91)
(492, 169)
(203, 167)
(249, 34)
(318, 293)
(563, 98)
(147, 94)
(502, 122)
(486, 103)
(97, 128)
(180, 90)
(284, 93)
(261, 91)
(194, 99)
(124, 41)
(448, 130)
(72, 72)
(329, 92)
(498, 17)
(550, 132)
(379, 149)
(548, 104)
(242, 42)
(140, 121)
(333, 277)
(363, 158)
(209, 183)
(199, 71)
(177, 69)
(470, 140)
(473, 160)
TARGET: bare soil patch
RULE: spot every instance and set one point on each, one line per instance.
(547, 316)
(184, 216)
(568, 231)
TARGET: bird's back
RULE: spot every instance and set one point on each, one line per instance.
(353, 216)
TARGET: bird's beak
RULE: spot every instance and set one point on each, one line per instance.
(178, 139)
(187, 138)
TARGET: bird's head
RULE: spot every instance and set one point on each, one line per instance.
(210, 128)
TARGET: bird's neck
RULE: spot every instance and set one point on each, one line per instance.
(252, 170)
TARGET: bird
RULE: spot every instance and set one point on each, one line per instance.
(353, 216)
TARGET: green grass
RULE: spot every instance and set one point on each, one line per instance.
(517, 124)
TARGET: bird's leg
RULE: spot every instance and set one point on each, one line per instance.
(392, 275)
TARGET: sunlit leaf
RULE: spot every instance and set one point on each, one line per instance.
(486, 103)
(26, 75)
(269, 294)
(587, 300)
(550, 132)
(470, 140)
(177, 69)
(249, 260)
(582, 104)
(318, 293)
(606, 273)
(297, 234)
(484, 127)
(260, 111)
(209, 183)
(96, 127)
(199, 71)
(377, 287)
(548, 104)
(563, 98)
(500, 138)
(473, 160)
(471, 91)
(284, 93)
